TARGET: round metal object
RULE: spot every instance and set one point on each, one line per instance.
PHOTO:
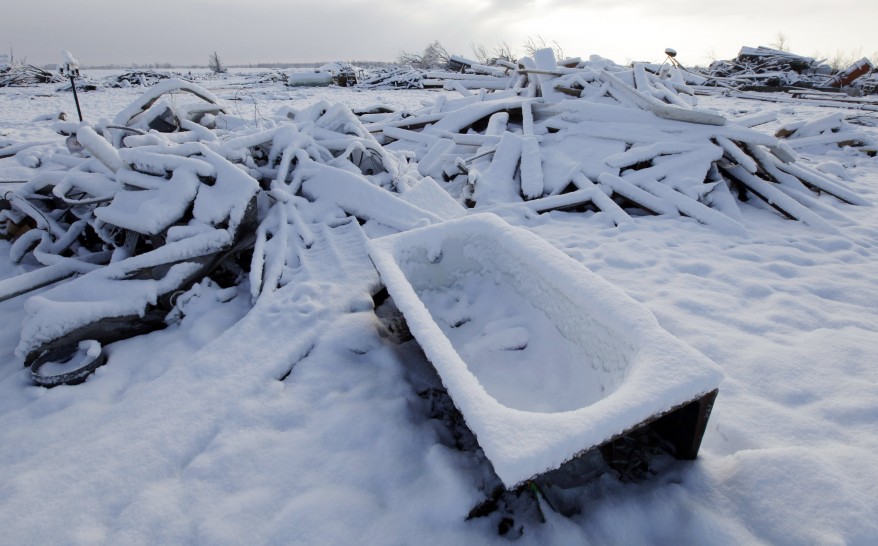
(67, 365)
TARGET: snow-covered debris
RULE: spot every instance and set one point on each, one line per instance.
(343, 74)
(313, 78)
(335, 73)
(831, 129)
(25, 75)
(154, 111)
(849, 75)
(767, 68)
(634, 136)
(306, 387)
(459, 74)
(575, 135)
(143, 78)
(392, 77)
(141, 214)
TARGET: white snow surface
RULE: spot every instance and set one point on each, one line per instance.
(187, 435)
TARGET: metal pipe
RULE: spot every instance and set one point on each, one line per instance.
(75, 96)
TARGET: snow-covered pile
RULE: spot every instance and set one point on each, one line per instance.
(183, 185)
(765, 67)
(458, 74)
(392, 77)
(831, 129)
(143, 78)
(628, 138)
(143, 214)
(171, 191)
(24, 75)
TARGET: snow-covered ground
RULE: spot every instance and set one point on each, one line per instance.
(187, 435)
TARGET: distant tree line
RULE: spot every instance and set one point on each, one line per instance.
(168, 66)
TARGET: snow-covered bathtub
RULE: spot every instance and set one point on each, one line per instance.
(544, 359)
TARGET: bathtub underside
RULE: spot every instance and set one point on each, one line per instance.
(675, 433)
(678, 433)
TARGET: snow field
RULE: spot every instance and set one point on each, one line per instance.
(790, 317)
(188, 436)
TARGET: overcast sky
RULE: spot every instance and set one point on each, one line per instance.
(186, 31)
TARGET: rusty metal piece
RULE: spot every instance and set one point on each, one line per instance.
(851, 73)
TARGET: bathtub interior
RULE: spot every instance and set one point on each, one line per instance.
(532, 342)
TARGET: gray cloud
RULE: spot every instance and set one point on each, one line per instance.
(102, 31)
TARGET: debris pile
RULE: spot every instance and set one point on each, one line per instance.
(130, 220)
(335, 73)
(631, 140)
(831, 129)
(143, 78)
(343, 74)
(24, 75)
(29, 75)
(850, 74)
(766, 69)
(762, 67)
(458, 73)
(141, 210)
(392, 77)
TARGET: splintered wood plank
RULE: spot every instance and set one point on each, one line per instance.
(531, 169)
(819, 181)
(690, 207)
(736, 154)
(638, 196)
(780, 201)
(657, 107)
(568, 200)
